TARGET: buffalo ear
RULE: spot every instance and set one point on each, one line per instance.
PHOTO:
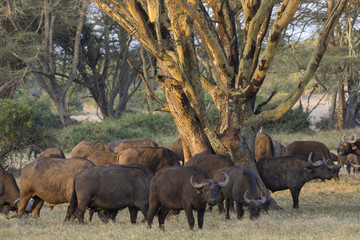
(199, 190)
(309, 169)
(353, 147)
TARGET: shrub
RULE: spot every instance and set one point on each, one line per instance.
(18, 127)
(323, 123)
(131, 125)
(294, 121)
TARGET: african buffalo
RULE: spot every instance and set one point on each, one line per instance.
(352, 160)
(102, 158)
(349, 146)
(55, 152)
(130, 143)
(242, 188)
(319, 150)
(50, 180)
(9, 191)
(111, 188)
(154, 158)
(182, 188)
(263, 146)
(211, 163)
(291, 172)
(84, 148)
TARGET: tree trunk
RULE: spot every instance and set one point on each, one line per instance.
(341, 107)
(351, 110)
(332, 109)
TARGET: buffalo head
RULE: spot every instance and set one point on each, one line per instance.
(255, 205)
(349, 146)
(210, 188)
(319, 168)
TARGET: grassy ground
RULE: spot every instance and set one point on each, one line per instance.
(328, 210)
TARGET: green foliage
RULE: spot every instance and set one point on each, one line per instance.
(131, 125)
(18, 127)
(44, 117)
(323, 123)
(296, 120)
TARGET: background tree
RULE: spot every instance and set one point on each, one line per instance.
(103, 67)
(39, 35)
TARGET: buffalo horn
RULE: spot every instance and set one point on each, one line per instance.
(16, 202)
(336, 167)
(353, 141)
(317, 163)
(226, 181)
(256, 202)
(343, 139)
(197, 185)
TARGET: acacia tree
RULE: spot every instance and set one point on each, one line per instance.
(104, 71)
(168, 29)
(39, 36)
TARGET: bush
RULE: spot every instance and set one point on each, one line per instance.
(323, 123)
(18, 127)
(294, 121)
(131, 125)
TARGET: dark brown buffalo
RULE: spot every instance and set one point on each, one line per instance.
(263, 146)
(154, 158)
(243, 189)
(55, 152)
(347, 146)
(182, 188)
(111, 188)
(84, 148)
(130, 143)
(291, 172)
(50, 180)
(352, 160)
(319, 150)
(9, 191)
(210, 162)
(101, 158)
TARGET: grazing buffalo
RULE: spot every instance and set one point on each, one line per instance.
(291, 172)
(210, 162)
(101, 158)
(243, 189)
(352, 160)
(84, 148)
(9, 191)
(130, 143)
(154, 158)
(50, 180)
(279, 149)
(349, 146)
(319, 150)
(177, 148)
(263, 146)
(111, 188)
(55, 152)
(182, 188)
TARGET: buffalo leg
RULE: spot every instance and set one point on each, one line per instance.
(153, 207)
(133, 214)
(239, 210)
(23, 203)
(295, 196)
(190, 216)
(200, 216)
(221, 203)
(38, 203)
(163, 212)
(227, 205)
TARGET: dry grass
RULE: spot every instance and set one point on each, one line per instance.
(328, 210)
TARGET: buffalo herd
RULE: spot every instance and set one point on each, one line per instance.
(142, 176)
